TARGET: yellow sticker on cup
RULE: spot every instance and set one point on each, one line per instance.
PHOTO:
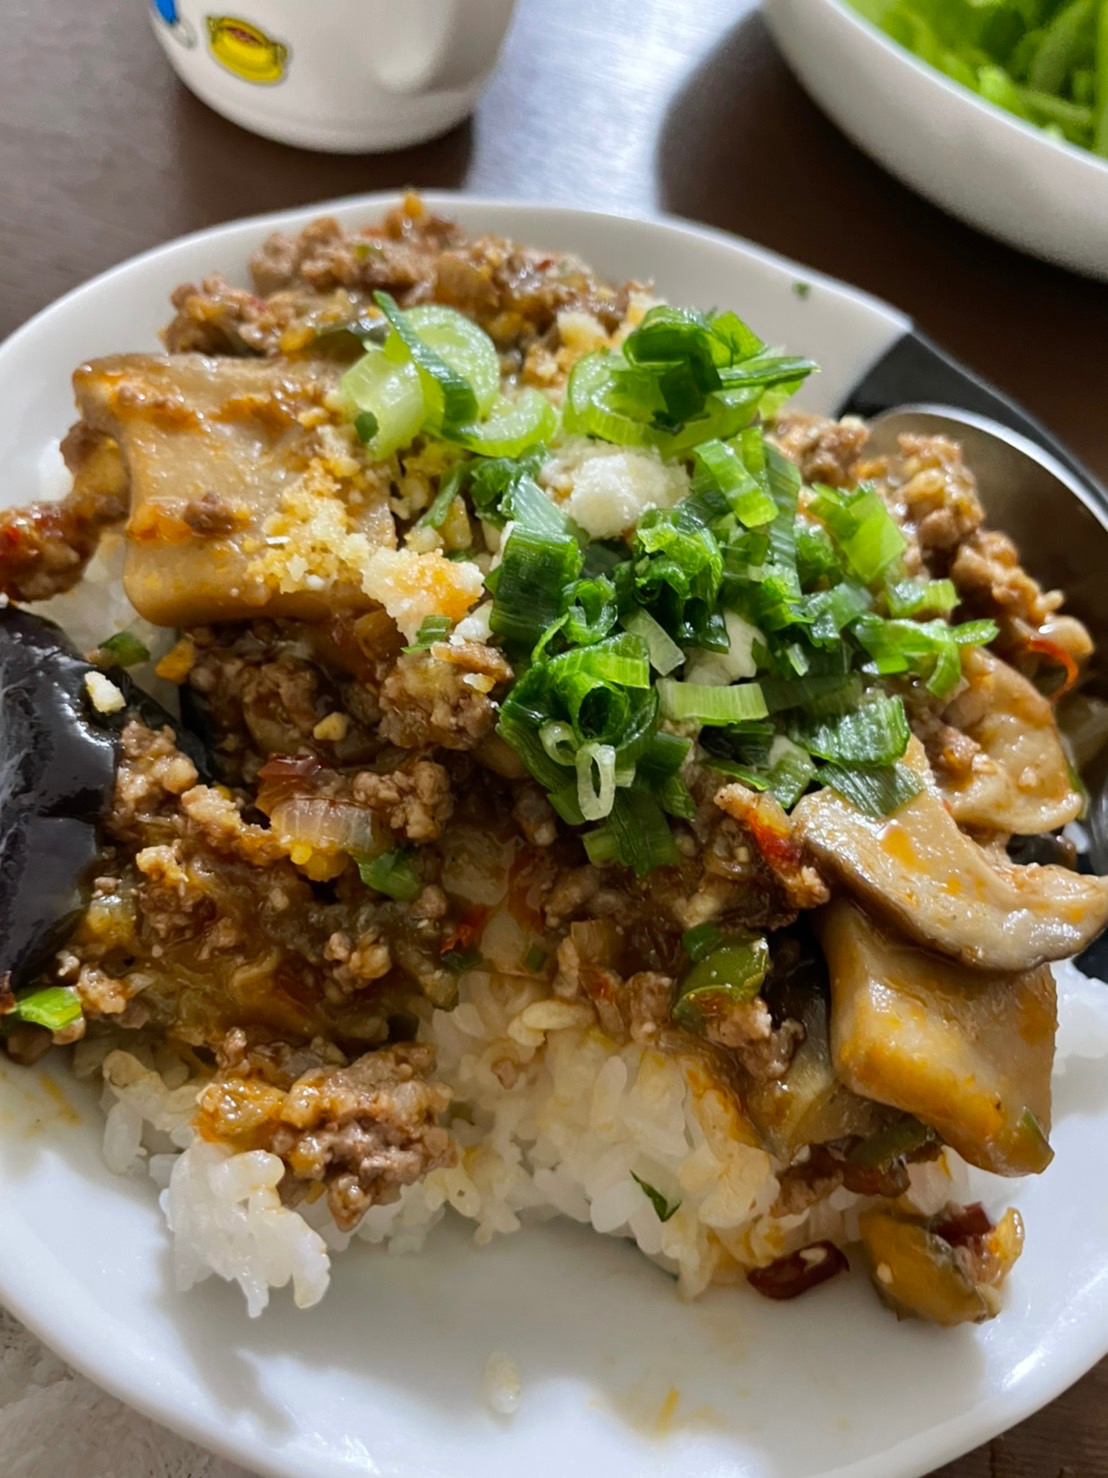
(246, 50)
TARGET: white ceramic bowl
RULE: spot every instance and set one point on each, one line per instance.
(975, 160)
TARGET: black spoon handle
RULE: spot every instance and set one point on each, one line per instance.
(916, 370)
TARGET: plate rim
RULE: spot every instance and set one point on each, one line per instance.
(912, 1457)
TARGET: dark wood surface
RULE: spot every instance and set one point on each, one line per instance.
(627, 105)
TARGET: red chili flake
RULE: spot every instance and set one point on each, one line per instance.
(467, 931)
(775, 846)
(1061, 658)
(961, 1225)
(790, 1276)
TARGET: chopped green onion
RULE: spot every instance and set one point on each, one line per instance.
(731, 975)
(665, 654)
(663, 1209)
(701, 940)
(464, 346)
(392, 874)
(817, 693)
(921, 597)
(832, 610)
(493, 482)
(55, 1007)
(387, 393)
(435, 515)
(602, 846)
(642, 835)
(536, 959)
(125, 649)
(431, 630)
(975, 633)
(530, 584)
(448, 396)
(458, 961)
(863, 528)
(593, 611)
(720, 465)
(559, 742)
(876, 792)
(664, 755)
(875, 734)
(513, 427)
(707, 704)
(618, 659)
(903, 1137)
(596, 780)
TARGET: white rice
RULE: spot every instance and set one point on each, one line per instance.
(552, 1118)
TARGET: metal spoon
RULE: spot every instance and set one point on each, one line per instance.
(1058, 522)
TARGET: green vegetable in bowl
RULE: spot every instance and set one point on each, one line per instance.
(1046, 61)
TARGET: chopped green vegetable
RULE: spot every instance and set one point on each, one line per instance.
(663, 1209)
(903, 1137)
(431, 630)
(125, 649)
(435, 515)
(458, 961)
(449, 397)
(878, 791)
(708, 704)
(55, 1007)
(530, 584)
(665, 654)
(1045, 61)
(536, 959)
(513, 427)
(386, 400)
(875, 734)
(392, 874)
(731, 975)
(701, 940)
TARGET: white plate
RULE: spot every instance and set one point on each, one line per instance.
(619, 1377)
(977, 161)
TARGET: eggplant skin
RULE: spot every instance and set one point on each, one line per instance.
(58, 760)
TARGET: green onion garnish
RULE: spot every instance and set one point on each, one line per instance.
(663, 1209)
(875, 734)
(878, 791)
(701, 940)
(921, 597)
(435, 515)
(125, 649)
(449, 397)
(457, 961)
(530, 584)
(431, 630)
(706, 704)
(729, 975)
(386, 399)
(392, 874)
(55, 1008)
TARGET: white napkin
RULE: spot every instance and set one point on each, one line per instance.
(55, 1424)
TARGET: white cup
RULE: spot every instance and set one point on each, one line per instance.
(345, 75)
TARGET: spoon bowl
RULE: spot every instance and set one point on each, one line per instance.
(1059, 523)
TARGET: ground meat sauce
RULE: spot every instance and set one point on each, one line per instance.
(229, 914)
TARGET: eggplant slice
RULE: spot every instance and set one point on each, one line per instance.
(58, 761)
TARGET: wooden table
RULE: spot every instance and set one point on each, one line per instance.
(629, 105)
